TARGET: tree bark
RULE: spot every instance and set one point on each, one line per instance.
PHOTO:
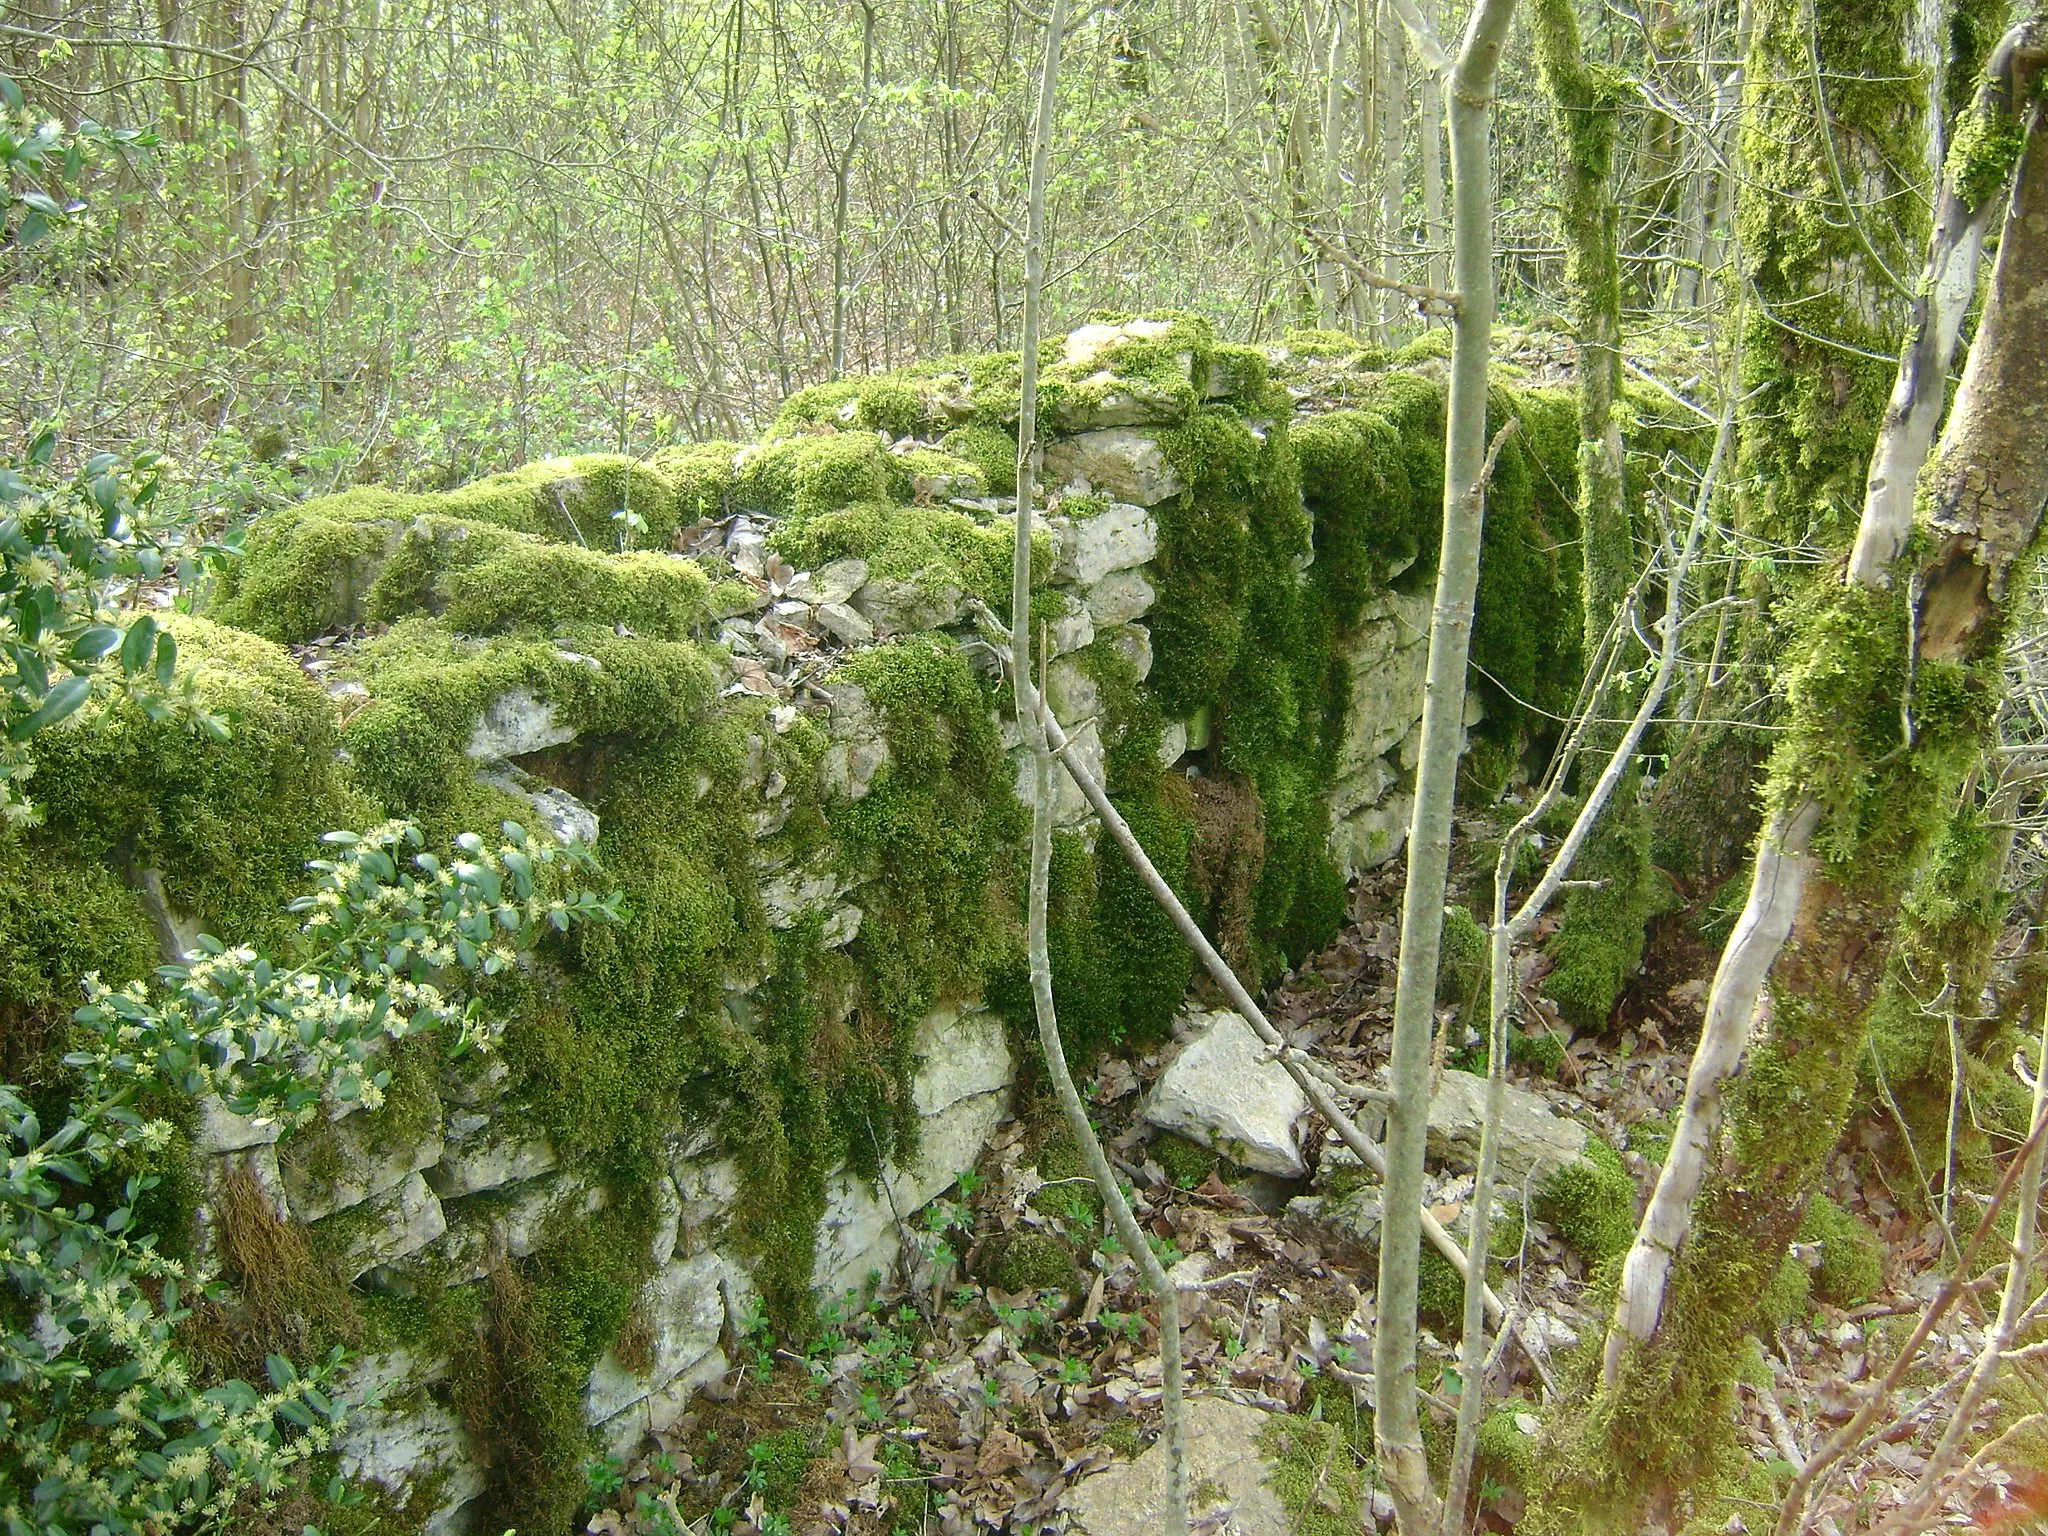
(1396, 1430)
(1032, 721)
(1892, 692)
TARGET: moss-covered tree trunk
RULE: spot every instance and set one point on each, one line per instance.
(1600, 943)
(1891, 693)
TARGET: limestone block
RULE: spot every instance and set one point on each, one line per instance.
(1070, 806)
(1121, 537)
(662, 1409)
(960, 1054)
(1385, 686)
(708, 1185)
(515, 723)
(1223, 1463)
(1373, 834)
(1074, 695)
(1348, 1220)
(1120, 597)
(859, 747)
(1533, 1136)
(1106, 399)
(898, 605)
(1117, 462)
(220, 1129)
(388, 1227)
(482, 1152)
(1222, 1091)
(833, 583)
(1173, 742)
(560, 814)
(1134, 643)
(845, 624)
(1365, 787)
(411, 1444)
(1086, 343)
(857, 1234)
(681, 1313)
(801, 889)
(519, 1216)
(1074, 628)
(336, 1163)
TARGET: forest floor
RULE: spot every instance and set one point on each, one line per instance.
(959, 1404)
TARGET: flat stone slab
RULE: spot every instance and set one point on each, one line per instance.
(1129, 1499)
(1223, 1091)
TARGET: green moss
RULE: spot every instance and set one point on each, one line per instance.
(937, 549)
(991, 449)
(777, 1463)
(702, 477)
(1507, 1452)
(1851, 1259)
(229, 824)
(1811, 408)
(1314, 1475)
(1439, 1292)
(1599, 943)
(1591, 1203)
(888, 403)
(1028, 1259)
(1464, 965)
(817, 472)
(1186, 1163)
(549, 1320)
(1788, 1297)
(573, 501)
(546, 587)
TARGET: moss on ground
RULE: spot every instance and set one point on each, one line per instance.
(1591, 1203)
(1314, 1473)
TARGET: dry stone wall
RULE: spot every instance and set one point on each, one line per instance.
(725, 717)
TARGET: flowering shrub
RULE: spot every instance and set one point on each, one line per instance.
(102, 1427)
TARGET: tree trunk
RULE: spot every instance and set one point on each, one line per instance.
(1397, 1431)
(1892, 691)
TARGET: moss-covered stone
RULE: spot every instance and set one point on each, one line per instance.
(1851, 1268)
(1027, 1259)
(1591, 1203)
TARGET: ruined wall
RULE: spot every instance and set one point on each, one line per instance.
(750, 676)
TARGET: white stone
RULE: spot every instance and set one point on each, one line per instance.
(1074, 695)
(709, 1187)
(1113, 400)
(1088, 342)
(480, 1153)
(959, 1055)
(1070, 806)
(1173, 742)
(845, 624)
(833, 583)
(683, 1309)
(1364, 787)
(859, 747)
(220, 1129)
(408, 1441)
(857, 1235)
(1121, 597)
(516, 1216)
(1222, 1090)
(1372, 835)
(1121, 537)
(1386, 676)
(1534, 1138)
(905, 606)
(1223, 1454)
(1117, 462)
(1133, 642)
(561, 815)
(516, 723)
(661, 1410)
(1074, 628)
(340, 1162)
(391, 1226)
(805, 888)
